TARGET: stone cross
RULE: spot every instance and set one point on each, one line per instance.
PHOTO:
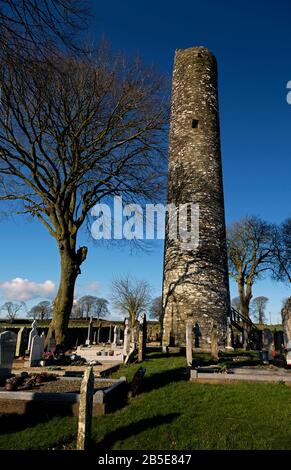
(85, 410)
(36, 350)
(214, 345)
(32, 333)
(21, 343)
(7, 352)
(189, 342)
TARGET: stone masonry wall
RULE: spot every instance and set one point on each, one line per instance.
(196, 281)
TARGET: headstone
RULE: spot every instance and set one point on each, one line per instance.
(90, 331)
(115, 336)
(85, 410)
(267, 340)
(214, 345)
(142, 339)
(126, 344)
(36, 350)
(134, 335)
(245, 338)
(7, 352)
(94, 337)
(52, 345)
(32, 333)
(118, 336)
(228, 335)
(136, 382)
(189, 342)
(22, 342)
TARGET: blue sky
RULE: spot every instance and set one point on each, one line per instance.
(252, 43)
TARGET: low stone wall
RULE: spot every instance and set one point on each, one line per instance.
(241, 375)
(78, 329)
(63, 404)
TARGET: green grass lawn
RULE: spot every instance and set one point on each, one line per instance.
(171, 413)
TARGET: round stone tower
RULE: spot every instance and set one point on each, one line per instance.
(195, 276)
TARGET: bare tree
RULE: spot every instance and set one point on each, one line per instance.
(157, 311)
(75, 135)
(250, 255)
(282, 251)
(235, 302)
(36, 26)
(132, 297)
(88, 305)
(41, 311)
(11, 309)
(258, 308)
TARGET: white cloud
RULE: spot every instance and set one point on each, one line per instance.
(93, 286)
(23, 289)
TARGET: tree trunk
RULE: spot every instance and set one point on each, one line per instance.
(244, 297)
(70, 269)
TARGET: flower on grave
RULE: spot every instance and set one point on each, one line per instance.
(48, 355)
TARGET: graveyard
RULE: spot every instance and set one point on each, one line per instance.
(227, 385)
(162, 416)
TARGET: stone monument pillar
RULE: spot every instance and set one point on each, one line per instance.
(196, 276)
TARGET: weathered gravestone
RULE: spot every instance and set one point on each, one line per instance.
(85, 410)
(94, 337)
(142, 337)
(136, 382)
(134, 334)
(7, 352)
(189, 342)
(32, 334)
(36, 350)
(22, 341)
(214, 345)
(118, 336)
(52, 345)
(126, 345)
(115, 336)
(90, 332)
(267, 340)
(229, 335)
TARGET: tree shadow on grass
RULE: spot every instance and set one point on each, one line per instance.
(10, 423)
(161, 379)
(132, 429)
(157, 355)
(35, 413)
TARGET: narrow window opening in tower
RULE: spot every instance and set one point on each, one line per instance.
(194, 123)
